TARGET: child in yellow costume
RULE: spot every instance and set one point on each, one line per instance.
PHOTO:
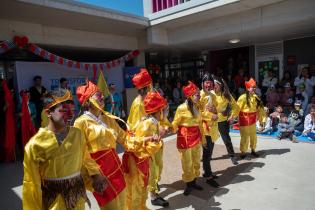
(54, 159)
(156, 164)
(102, 132)
(227, 110)
(208, 108)
(137, 163)
(188, 124)
(143, 82)
(251, 110)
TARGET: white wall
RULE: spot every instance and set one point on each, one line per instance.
(42, 34)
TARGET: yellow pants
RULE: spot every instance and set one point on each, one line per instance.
(137, 192)
(248, 135)
(118, 203)
(59, 204)
(190, 159)
(156, 166)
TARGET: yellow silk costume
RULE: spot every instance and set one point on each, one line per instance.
(210, 126)
(137, 181)
(104, 138)
(190, 157)
(136, 113)
(45, 159)
(222, 104)
(248, 133)
(156, 162)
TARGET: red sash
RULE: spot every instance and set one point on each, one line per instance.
(111, 167)
(187, 137)
(247, 118)
(142, 165)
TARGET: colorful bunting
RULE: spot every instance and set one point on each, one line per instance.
(23, 42)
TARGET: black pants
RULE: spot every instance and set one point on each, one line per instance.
(224, 130)
(206, 156)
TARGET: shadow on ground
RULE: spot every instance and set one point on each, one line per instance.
(231, 175)
(10, 200)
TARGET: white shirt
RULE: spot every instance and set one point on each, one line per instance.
(268, 81)
(309, 83)
(308, 124)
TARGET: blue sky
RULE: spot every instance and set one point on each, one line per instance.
(129, 6)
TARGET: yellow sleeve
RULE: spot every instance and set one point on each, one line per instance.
(32, 193)
(262, 117)
(136, 113)
(145, 129)
(235, 107)
(89, 163)
(176, 120)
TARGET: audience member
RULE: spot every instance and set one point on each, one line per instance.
(309, 125)
(296, 120)
(178, 93)
(267, 126)
(305, 79)
(272, 97)
(286, 130)
(113, 103)
(275, 116)
(301, 96)
(36, 96)
(287, 98)
(287, 78)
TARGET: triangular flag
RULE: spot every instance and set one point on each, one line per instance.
(102, 85)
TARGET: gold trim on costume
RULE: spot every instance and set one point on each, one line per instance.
(57, 100)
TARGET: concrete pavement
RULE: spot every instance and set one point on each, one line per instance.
(282, 178)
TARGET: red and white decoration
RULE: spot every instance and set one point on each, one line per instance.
(23, 43)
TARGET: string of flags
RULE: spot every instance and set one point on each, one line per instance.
(23, 43)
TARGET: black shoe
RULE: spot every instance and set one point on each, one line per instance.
(196, 186)
(158, 187)
(243, 156)
(234, 160)
(254, 154)
(189, 188)
(211, 176)
(159, 201)
(212, 183)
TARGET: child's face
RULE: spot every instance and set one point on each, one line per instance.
(297, 107)
(279, 109)
(284, 119)
(312, 112)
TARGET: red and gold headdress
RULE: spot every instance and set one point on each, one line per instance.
(190, 89)
(57, 100)
(142, 79)
(153, 102)
(84, 92)
(250, 83)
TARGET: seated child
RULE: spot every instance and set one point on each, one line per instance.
(298, 107)
(275, 117)
(285, 129)
(267, 127)
(309, 106)
(296, 120)
(309, 125)
(302, 97)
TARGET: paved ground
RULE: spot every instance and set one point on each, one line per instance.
(282, 178)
